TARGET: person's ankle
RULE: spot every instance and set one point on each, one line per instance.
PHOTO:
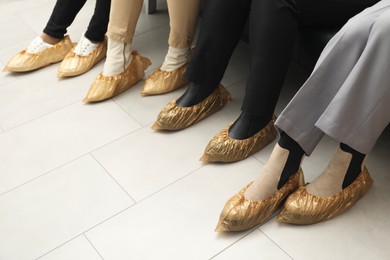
(49, 39)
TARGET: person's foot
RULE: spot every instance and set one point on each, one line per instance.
(161, 81)
(194, 94)
(247, 125)
(344, 181)
(223, 148)
(105, 87)
(118, 57)
(176, 58)
(39, 54)
(175, 117)
(85, 47)
(342, 170)
(274, 174)
(82, 57)
(49, 39)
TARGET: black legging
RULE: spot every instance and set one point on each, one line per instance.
(273, 27)
(65, 12)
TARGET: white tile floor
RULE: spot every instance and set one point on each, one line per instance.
(94, 182)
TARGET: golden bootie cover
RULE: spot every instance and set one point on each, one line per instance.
(241, 214)
(105, 87)
(160, 81)
(24, 61)
(223, 148)
(74, 64)
(303, 208)
(173, 117)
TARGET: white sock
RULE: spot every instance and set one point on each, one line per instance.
(38, 45)
(85, 46)
(175, 58)
(118, 57)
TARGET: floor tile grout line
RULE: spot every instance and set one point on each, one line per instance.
(123, 189)
(51, 250)
(259, 229)
(40, 116)
(223, 250)
(138, 202)
(85, 231)
(62, 165)
(128, 113)
(89, 241)
(41, 175)
(170, 184)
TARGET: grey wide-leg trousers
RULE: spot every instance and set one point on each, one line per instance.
(347, 96)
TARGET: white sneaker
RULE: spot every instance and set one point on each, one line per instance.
(38, 45)
(85, 47)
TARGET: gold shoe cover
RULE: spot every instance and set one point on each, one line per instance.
(160, 81)
(303, 208)
(241, 214)
(223, 148)
(74, 64)
(173, 117)
(105, 87)
(24, 61)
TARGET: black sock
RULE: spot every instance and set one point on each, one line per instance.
(355, 166)
(194, 94)
(294, 158)
(248, 125)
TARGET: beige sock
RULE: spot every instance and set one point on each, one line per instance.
(175, 58)
(267, 182)
(118, 57)
(331, 180)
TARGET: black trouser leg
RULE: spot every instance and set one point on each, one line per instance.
(273, 28)
(97, 27)
(62, 17)
(221, 28)
(272, 32)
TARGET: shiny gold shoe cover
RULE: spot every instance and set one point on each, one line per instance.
(303, 208)
(24, 61)
(223, 148)
(160, 81)
(105, 87)
(173, 117)
(241, 214)
(74, 64)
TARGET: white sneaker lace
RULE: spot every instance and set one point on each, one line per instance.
(38, 45)
(85, 47)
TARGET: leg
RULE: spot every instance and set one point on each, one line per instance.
(122, 68)
(92, 46)
(326, 80)
(221, 28)
(123, 20)
(64, 13)
(272, 32)
(357, 126)
(97, 27)
(289, 151)
(170, 75)
(222, 25)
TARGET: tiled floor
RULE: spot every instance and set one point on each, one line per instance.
(95, 182)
